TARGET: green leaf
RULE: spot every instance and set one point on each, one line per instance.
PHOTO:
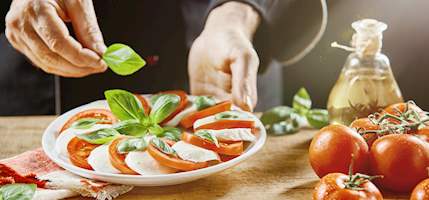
(276, 114)
(301, 101)
(280, 120)
(231, 115)
(132, 144)
(207, 136)
(85, 123)
(163, 106)
(123, 60)
(18, 191)
(172, 133)
(131, 127)
(156, 129)
(162, 146)
(101, 136)
(289, 126)
(203, 102)
(124, 105)
(318, 118)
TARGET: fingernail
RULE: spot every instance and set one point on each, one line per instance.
(248, 103)
(100, 48)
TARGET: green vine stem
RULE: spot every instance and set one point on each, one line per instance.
(355, 181)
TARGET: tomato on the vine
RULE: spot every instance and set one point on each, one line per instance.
(365, 125)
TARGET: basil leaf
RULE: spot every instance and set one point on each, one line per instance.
(276, 114)
(124, 105)
(301, 101)
(280, 120)
(163, 106)
(202, 102)
(162, 146)
(172, 133)
(131, 127)
(122, 59)
(207, 136)
(285, 127)
(156, 129)
(18, 191)
(85, 123)
(231, 115)
(132, 144)
(101, 136)
(318, 118)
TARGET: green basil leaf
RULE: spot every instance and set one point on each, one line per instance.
(284, 127)
(318, 118)
(132, 144)
(122, 59)
(101, 136)
(202, 102)
(156, 129)
(276, 114)
(231, 115)
(207, 136)
(280, 120)
(162, 146)
(85, 123)
(172, 133)
(163, 106)
(131, 127)
(124, 105)
(18, 191)
(301, 101)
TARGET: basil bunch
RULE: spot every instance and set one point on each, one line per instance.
(283, 120)
(17, 191)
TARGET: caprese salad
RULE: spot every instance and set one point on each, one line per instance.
(164, 133)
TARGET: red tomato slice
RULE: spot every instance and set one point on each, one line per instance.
(117, 159)
(91, 113)
(232, 149)
(144, 102)
(79, 151)
(174, 162)
(182, 104)
(188, 121)
(228, 123)
(226, 158)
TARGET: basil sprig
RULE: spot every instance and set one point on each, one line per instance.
(86, 123)
(101, 136)
(17, 191)
(132, 144)
(207, 136)
(162, 146)
(172, 133)
(122, 59)
(202, 102)
(162, 106)
(131, 127)
(124, 105)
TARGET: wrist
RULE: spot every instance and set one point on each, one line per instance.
(233, 16)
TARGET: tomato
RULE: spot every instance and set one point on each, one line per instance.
(394, 108)
(227, 124)
(333, 147)
(182, 104)
(402, 160)
(333, 186)
(117, 159)
(144, 103)
(226, 158)
(423, 134)
(365, 124)
(231, 149)
(174, 162)
(188, 121)
(91, 113)
(421, 191)
(79, 151)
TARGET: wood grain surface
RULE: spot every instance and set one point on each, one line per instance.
(279, 171)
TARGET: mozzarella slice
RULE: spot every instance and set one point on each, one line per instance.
(94, 128)
(62, 142)
(176, 119)
(142, 163)
(234, 134)
(212, 118)
(193, 153)
(100, 161)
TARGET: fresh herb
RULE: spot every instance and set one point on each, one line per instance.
(124, 105)
(163, 106)
(283, 120)
(132, 144)
(162, 146)
(131, 127)
(172, 133)
(156, 129)
(17, 191)
(230, 115)
(202, 102)
(86, 123)
(101, 136)
(207, 136)
(122, 59)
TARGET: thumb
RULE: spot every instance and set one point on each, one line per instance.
(85, 25)
(244, 70)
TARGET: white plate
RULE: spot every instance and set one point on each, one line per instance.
(51, 133)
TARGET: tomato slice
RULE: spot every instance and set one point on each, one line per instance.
(232, 149)
(226, 158)
(174, 162)
(228, 123)
(188, 121)
(144, 103)
(79, 151)
(91, 113)
(117, 159)
(182, 104)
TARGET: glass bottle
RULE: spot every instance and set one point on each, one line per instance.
(366, 83)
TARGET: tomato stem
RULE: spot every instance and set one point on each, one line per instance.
(355, 181)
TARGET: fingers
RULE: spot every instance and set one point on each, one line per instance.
(84, 21)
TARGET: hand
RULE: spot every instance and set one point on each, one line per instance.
(222, 61)
(37, 29)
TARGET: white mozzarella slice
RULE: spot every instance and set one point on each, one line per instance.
(234, 134)
(193, 153)
(142, 163)
(94, 128)
(62, 142)
(176, 119)
(212, 118)
(100, 161)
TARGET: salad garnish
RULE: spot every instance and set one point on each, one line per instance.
(122, 59)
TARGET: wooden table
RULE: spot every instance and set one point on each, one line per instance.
(279, 171)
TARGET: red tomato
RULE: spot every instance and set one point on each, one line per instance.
(423, 134)
(79, 151)
(333, 187)
(401, 159)
(117, 159)
(91, 113)
(232, 149)
(394, 108)
(421, 191)
(182, 104)
(332, 148)
(188, 121)
(365, 124)
(144, 103)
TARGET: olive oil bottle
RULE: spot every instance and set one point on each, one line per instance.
(366, 83)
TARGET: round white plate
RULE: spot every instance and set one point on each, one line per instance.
(51, 133)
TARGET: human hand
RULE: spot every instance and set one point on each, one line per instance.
(222, 61)
(37, 29)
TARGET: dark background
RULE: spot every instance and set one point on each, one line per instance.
(404, 43)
